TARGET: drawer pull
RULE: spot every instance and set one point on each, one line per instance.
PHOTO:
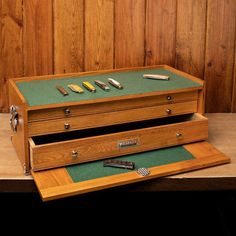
(168, 111)
(178, 135)
(67, 112)
(169, 98)
(74, 154)
(67, 126)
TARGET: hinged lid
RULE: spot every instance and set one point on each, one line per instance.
(88, 177)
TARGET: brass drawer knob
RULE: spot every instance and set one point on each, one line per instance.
(67, 111)
(169, 98)
(74, 154)
(178, 135)
(168, 111)
(67, 126)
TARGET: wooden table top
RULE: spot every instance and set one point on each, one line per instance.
(222, 134)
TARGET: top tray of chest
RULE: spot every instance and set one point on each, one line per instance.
(51, 112)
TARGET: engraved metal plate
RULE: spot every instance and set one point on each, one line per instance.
(143, 171)
(128, 143)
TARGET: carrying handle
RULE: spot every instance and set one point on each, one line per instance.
(14, 119)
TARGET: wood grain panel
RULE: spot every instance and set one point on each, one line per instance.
(129, 33)
(233, 108)
(68, 36)
(190, 36)
(11, 47)
(1, 61)
(219, 55)
(37, 37)
(160, 32)
(99, 32)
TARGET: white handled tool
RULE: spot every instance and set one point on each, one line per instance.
(158, 77)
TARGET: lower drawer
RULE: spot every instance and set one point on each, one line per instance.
(62, 149)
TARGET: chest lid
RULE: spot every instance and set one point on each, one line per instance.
(93, 176)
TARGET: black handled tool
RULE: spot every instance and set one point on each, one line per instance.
(120, 164)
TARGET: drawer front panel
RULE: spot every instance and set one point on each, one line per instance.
(86, 109)
(104, 119)
(111, 145)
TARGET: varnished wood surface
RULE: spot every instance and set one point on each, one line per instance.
(160, 45)
(129, 33)
(11, 52)
(190, 36)
(68, 36)
(222, 134)
(99, 35)
(37, 37)
(221, 18)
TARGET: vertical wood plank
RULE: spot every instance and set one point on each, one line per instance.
(37, 37)
(219, 55)
(129, 33)
(190, 36)
(1, 61)
(68, 36)
(11, 47)
(160, 32)
(233, 103)
(99, 32)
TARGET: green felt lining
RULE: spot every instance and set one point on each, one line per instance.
(93, 170)
(42, 92)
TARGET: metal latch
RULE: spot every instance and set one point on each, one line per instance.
(13, 118)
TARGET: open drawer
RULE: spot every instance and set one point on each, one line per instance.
(92, 176)
(55, 150)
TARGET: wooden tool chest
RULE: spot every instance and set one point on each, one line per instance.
(50, 130)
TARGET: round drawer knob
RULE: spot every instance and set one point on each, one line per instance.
(67, 111)
(169, 98)
(168, 111)
(67, 126)
(74, 154)
(178, 135)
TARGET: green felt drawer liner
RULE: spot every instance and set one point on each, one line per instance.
(93, 170)
(42, 92)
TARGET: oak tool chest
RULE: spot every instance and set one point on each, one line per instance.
(62, 135)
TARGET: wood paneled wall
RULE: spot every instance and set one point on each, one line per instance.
(40, 37)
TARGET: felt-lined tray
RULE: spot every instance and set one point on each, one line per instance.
(44, 92)
(78, 179)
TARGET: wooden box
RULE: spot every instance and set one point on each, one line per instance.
(50, 130)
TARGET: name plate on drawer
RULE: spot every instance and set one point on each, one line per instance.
(128, 143)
